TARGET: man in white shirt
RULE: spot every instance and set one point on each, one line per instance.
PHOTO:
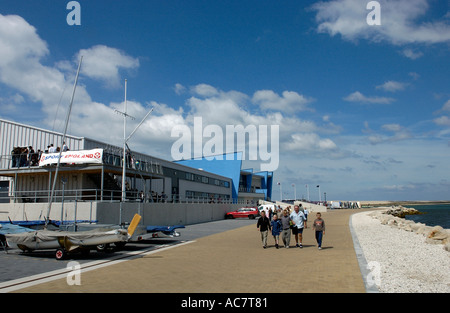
(299, 220)
(52, 149)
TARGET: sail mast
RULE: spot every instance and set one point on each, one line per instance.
(60, 151)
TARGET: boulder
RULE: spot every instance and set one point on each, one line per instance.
(447, 247)
(423, 230)
(438, 234)
(394, 217)
(400, 211)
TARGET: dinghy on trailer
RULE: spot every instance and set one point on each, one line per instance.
(67, 242)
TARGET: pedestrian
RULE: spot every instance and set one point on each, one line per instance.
(276, 229)
(51, 149)
(299, 222)
(286, 228)
(305, 211)
(319, 227)
(263, 226)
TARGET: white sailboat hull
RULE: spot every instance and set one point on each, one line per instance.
(43, 239)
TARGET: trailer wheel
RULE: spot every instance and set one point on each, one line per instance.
(102, 247)
(60, 254)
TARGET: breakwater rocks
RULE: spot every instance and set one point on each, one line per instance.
(394, 217)
(400, 211)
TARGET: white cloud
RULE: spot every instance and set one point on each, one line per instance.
(21, 68)
(395, 132)
(391, 127)
(392, 86)
(218, 107)
(103, 63)
(204, 90)
(11, 104)
(179, 89)
(359, 97)
(21, 51)
(446, 106)
(398, 22)
(411, 54)
(306, 142)
(442, 121)
(19, 40)
(288, 102)
(399, 187)
(414, 75)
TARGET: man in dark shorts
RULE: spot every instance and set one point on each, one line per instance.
(299, 222)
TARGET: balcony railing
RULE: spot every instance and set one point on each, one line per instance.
(43, 196)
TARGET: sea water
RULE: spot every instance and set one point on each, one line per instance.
(435, 214)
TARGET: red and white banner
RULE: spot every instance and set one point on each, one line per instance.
(94, 156)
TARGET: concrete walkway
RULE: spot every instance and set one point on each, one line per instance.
(235, 262)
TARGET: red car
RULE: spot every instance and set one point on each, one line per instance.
(251, 213)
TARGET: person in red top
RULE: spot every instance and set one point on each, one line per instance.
(319, 227)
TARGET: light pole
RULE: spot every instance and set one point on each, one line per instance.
(295, 192)
(307, 192)
(318, 186)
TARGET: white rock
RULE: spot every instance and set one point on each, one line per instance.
(407, 263)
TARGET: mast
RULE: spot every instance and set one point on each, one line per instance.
(124, 163)
(60, 151)
(125, 140)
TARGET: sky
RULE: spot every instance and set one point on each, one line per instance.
(363, 110)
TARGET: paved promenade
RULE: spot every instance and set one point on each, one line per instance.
(234, 262)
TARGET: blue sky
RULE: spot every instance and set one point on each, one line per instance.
(363, 111)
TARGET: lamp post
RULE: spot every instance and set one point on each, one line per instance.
(318, 186)
(295, 192)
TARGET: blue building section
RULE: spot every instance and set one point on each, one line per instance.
(266, 183)
(246, 184)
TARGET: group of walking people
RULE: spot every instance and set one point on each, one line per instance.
(288, 223)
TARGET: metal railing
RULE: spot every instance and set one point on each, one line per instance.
(43, 196)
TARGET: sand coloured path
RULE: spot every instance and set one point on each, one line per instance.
(234, 262)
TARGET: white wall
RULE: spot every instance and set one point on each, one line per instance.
(37, 211)
(164, 213)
